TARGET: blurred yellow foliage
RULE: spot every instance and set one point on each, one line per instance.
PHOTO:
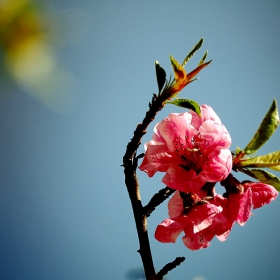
(27, 54)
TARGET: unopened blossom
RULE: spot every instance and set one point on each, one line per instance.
(193, 219)
(191, 150)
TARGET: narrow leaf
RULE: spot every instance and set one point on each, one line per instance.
(203, 58)
(197, 70)
(265, 130)
(271, 160)
(192, 52)
(179, 71)
(187, 103)
(263, 176)
(161, 76)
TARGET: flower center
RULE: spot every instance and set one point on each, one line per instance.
(194, 154)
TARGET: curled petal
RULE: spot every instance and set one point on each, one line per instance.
(262, 193)
(199, 240)
(202, 216)
(157, 159)
(239, 206)
(175, 205)
(170, 229)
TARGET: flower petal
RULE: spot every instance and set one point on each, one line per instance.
(170, 229)
(239, 206)
(175, 125)
(207, 113)
(175, 205)
(216, 134)
(180, 179)
(262, 193)
(199, 240)
(218, 167)
(157, 159)
(202, 215)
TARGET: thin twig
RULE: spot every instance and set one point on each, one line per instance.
(132, 146)
(168, 267)
(157, 199)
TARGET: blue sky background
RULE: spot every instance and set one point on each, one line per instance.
(64, 208)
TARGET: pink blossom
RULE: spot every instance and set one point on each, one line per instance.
(220, 227)
(222, 222)
(261, 193)
(191, 150)
(239, 206)
(204, 220)
(199, 240)
(191, 220)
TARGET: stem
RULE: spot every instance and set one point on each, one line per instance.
(141, 224)
(155, 106)
(131, 181)
(157, 199)
(168, 267)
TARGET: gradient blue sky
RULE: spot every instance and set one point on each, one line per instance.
(64, 208)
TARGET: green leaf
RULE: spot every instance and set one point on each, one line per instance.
(203, 58)
(187, 103)
(276, 168)
(161, 76)
(263, 176)
(192, 52)
(265, 130)
(271, 161)
(179, 71)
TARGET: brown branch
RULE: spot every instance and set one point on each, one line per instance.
(157, 199)
(168, 267)
(131, 181)
(155, 106)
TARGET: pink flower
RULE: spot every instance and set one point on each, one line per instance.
(191, 150)
(201, 221)
(222, 222)
(261, 193)
(239, 206)
(242, 197)
(220, 227)
(192, 220)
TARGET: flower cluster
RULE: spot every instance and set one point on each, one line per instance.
(194, 153)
